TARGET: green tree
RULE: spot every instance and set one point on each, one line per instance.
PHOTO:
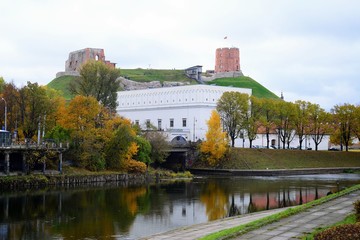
(159, 146)
(2, 84)
(252, 119)
(356, 128)
(144, 151)
(216, 144)
(99, 81)
(118, 146)
(232, 107)
(34, 104)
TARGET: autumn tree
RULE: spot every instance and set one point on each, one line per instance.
(144, 150)
(284, 122)
(232, 107)
(319, 123)
(301, 119)
(268, 116)
(252, 119)
(345, 119)
(216, 144)
(99, 81)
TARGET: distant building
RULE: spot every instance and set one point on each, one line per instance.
(194, 73)
(78, 58)
(227, 60)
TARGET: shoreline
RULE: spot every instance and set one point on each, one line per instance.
(271, 172)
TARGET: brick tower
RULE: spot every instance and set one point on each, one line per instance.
(227, 60)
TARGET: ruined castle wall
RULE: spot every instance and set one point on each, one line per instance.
(227, 60)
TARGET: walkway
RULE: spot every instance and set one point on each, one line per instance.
(287, 228)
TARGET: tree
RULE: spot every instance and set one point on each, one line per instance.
(345, 118)
(356, 128)
(301, 119)
(285, 111)
(232, 107)
(268, 116)
(121, 147)
(216, 144)
(34, 104)
(144, 150)
(252, 117)
(159, 146)
(319, 124)
(99, 81)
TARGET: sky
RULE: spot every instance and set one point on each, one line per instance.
(309, 50)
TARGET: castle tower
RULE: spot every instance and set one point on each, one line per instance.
(78, 58)
(227, 60)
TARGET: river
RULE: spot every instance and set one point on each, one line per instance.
(112, 211)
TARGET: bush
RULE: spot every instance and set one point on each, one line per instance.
(133, 166)
(357, 210)
(342, 232)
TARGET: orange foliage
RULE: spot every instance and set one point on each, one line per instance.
(216, 143)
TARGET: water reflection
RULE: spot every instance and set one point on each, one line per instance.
(120, 212)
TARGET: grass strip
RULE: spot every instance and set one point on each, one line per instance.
(242, 229)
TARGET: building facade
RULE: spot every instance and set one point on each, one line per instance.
(180, 112)
(227, 60)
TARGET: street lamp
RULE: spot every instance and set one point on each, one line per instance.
(5, 110)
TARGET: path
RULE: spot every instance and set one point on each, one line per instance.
(287, 228)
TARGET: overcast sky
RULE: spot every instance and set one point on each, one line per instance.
(309, 50)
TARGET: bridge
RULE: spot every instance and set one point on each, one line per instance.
(14, 157)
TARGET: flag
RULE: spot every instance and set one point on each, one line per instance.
(225, 37)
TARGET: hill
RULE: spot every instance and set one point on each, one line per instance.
(148, 75)
(62, 84)
(258, 90)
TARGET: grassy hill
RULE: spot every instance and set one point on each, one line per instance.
(62, 84)
(258, 90)
(147, 75)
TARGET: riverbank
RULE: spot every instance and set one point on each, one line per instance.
(269, 159)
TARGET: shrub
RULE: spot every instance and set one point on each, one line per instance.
(133, 166)
(357, 210)
(342, 232)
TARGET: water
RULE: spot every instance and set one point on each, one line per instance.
(116, 212)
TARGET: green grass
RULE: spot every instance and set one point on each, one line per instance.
(241, 229)
(258, 90)
(62, 84)
(242, 158)
(148, 75)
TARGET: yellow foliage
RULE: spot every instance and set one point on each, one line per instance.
(216, 144)
(215, 201)
(133, 166)
(132, 151)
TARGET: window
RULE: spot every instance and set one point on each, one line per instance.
(147, 123)
(159, 124)
(137, 122)
(184, 122)
(171, 122)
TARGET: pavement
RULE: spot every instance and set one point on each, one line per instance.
(292, 227)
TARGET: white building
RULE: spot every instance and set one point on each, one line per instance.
(181, 112)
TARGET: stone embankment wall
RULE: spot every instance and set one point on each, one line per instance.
(37, 181)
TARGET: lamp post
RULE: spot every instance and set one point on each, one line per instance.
(5, 111)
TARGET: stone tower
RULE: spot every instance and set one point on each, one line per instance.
(227, 60)
(78, 58)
